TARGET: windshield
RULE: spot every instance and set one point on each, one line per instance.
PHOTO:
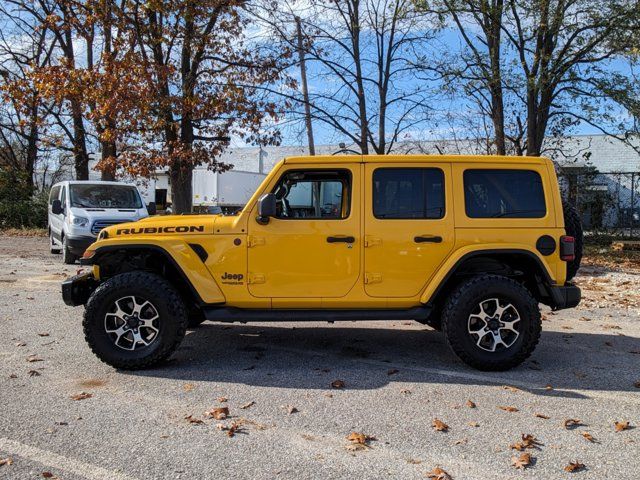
(104, 196)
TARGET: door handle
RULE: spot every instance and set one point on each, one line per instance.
(427, 239)
(340, 239)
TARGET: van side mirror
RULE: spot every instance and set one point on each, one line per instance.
(151, 208)
(266, 208)
(56, 207)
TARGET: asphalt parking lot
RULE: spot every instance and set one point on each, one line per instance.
(285, 420)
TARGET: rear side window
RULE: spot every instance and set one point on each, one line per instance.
(503, 194)
(408, 193)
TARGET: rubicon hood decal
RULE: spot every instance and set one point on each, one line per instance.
(168, 229)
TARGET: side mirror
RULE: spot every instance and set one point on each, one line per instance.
(266, 208)
(56, 207)
(151, 208)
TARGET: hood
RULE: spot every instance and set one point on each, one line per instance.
(164, 225)
(122, 214)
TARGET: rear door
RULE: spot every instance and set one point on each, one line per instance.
(312, 247)
(409, 229)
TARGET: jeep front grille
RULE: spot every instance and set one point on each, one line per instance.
(100, 224)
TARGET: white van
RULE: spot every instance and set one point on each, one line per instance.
(78, 210)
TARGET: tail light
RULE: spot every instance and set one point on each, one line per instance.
(567, 248)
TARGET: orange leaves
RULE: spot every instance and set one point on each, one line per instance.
(620, 426)
(337, 384)
(527, 442)
(509, 409)
(574, 467)
(359, 441)
(191, 419)
(522, 461)
(470, 404)
(587, 436)
(438, 474)
(439, 425)
(219, 413)
(571, 423)
(81, 396)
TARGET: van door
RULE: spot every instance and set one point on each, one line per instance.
(55, 221)
(312, 248)
(409, 229)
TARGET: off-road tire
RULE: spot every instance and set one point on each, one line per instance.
(465, 298)
(573, 227)
(166, 300)
(53, 248)
(68, 258)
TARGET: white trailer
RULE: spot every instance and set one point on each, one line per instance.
(228, 190)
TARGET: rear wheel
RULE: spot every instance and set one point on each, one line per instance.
(491, 322)
(573, 227)
(134, 320)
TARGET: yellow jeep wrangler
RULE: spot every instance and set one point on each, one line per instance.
(469, 245)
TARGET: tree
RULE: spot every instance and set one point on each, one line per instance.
(359, 55)
(538, 67)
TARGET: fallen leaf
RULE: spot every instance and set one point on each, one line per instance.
(187, 387)
(218, 413)
(509, 409)
(473, 424)
(620, 426)
(191, 419)
(541, 415)
(393, 371)
(291, 409)
(13, 375)
(33, 373)
(21, 344)
(511, 389)
(6, 461)
(462, 441)
(48, 475)
(588, 436)
(528, 441)
(81, 396)
(405, 391)
(439, 425)
(222, 399)
(247, 405)
(637, 384)
(34, 358)
(359, 441)
(337, 384)
(43, 334)
(438, 474)
(470, 404)
(522, 461)
(233, 429)
(574, 467)
(571, 423)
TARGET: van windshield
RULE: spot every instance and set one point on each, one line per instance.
(104, 196)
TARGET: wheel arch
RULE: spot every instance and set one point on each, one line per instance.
(194, 282)
(520, 264)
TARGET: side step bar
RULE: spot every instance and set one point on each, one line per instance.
(229, 314)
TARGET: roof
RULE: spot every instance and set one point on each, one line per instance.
(478, 159)
(93, 182)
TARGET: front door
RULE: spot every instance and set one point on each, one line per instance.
(409, 229)
(312, 248)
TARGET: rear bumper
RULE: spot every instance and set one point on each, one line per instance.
(77, 245)
(565, 297)
(77, 290)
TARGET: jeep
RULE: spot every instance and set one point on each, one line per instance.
(469, 245)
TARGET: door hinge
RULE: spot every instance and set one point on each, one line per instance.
(370, 241)
(370, 278)
(256, 278)
(255, 241)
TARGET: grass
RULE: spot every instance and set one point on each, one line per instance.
(24, 232)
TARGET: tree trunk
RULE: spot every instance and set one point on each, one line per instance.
(80, 155)
(109, 152)
(181, 190)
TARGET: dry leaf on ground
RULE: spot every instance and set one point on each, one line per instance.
(541, 415)
(405, 391)
(6, 461)
(470, 404)
(291, 409)
(247, 405)
(588, 436)
(473, 424)
(81, 396)
(439, 425)
(187, 387)
(522, 461)
(439, 474)
(359, 441)
(528, 441)
(33, 373)
(509, 409)
(337, 384)
(620, 426)
(574, 467)
(34, 358)
(222, 399)
(570, 423)
(511, 388)
(191, 419)
(218, 413)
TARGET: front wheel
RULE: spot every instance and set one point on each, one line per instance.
(491, 323)
(134, 320)
(68, 258)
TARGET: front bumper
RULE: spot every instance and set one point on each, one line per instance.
(77, 245)
(77, 290)
(565, 297)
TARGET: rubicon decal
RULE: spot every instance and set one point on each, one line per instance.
(180, 229)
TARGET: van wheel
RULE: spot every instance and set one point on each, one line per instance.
(53, 248)
(134, 320)
(491, 323)
(573, 227)
(68, 258)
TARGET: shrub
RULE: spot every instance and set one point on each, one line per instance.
(20, 207)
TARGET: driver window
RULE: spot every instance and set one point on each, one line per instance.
(314, 194)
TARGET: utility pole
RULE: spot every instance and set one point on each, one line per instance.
(305, 90)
